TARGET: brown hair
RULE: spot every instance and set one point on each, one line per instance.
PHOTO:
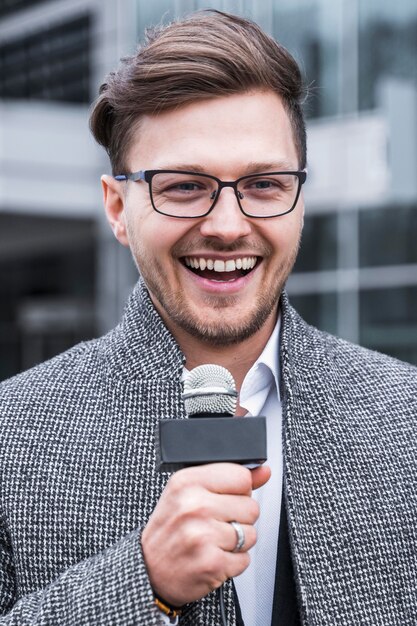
(206, 55)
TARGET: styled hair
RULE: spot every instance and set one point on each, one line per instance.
(208, 54)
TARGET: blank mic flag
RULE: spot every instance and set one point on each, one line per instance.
(211, 434)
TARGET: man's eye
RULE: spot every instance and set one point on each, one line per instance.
(185, 187)
(263, 184)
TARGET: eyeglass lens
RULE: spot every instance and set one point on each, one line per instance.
(191, 195)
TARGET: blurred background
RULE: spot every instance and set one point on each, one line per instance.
(64, 278)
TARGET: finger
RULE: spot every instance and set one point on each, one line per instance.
(225, 508)
(225, 536)
(235, 563)
(260, 476)
(229, 478)
(230, 538)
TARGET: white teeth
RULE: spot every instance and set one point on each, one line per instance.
(245, 263)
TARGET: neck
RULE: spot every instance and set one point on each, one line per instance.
(237, 358)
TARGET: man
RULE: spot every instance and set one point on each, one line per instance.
(206, 138)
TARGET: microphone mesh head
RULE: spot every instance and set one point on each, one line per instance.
(210, 389)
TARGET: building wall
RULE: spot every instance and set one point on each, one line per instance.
(62, 275)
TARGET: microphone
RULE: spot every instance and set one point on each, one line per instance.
(210, 389)
(211, 434)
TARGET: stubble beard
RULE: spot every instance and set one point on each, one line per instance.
(175, 309)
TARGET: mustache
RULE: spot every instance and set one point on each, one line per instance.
(259, 248)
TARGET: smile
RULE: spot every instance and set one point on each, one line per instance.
(221, 270)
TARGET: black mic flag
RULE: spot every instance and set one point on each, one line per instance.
(211, 434)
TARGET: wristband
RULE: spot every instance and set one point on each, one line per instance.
(171, 611)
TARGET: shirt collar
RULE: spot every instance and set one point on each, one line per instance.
(265, 369)
(270, 354)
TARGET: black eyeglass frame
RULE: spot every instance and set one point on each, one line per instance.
(147, 176)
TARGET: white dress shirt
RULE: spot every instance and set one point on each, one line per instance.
(259, 395)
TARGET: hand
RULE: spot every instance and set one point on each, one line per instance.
(188, 543)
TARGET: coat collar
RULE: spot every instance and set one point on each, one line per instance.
(141, 346)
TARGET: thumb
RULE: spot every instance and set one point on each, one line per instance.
(260, 476)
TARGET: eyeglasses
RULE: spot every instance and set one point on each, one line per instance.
(189, 194)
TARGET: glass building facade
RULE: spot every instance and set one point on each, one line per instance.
(47, 258)
(62, 276)
(50, 64)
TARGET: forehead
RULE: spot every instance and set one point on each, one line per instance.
(219, 134)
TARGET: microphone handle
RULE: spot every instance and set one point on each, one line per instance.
(210, 439)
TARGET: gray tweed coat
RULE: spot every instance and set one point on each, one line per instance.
(78, 479)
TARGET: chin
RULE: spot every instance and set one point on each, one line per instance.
(226, 329)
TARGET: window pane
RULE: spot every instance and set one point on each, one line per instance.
(318, 309)
(388, 236)
(387, 45)
(318, 245)
(309, 29)
(388, 321)
(8, 7)
(52, 64)
(47, 278)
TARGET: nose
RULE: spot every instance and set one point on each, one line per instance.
(226, 221)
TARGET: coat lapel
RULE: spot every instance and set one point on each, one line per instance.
(347, 465)
(149, 366)
(310, 458)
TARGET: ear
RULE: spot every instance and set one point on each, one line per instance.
(114, 205)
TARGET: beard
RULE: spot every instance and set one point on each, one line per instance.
(176, 311)
(214, 333)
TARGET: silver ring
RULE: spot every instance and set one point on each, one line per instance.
(240, 536)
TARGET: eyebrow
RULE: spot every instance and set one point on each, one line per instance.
(254, 167)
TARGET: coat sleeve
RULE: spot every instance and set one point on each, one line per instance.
(109, 589)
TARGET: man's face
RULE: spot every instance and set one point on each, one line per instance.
(227, 137)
